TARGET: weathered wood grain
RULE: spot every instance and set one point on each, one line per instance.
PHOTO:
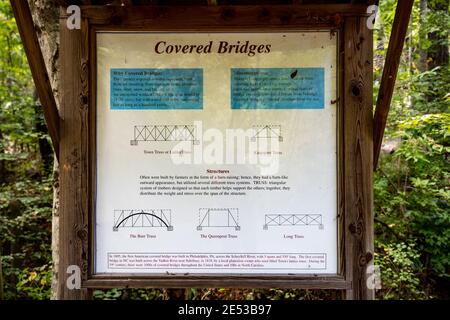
(201, 281)
(392, 61)
(74, 164)
(358, 155)
(191, 18)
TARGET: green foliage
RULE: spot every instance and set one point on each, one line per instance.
(431, 91)
(35, 284)
(25, 231)
(411, 186)
(128, 294)
(25, 189)
(216, 294)
(112, 294)
(412, 196)
(400, 268)
(16, 87)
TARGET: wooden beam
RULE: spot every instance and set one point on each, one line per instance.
(66, 3)
(235, 281)
(41, 79)
(392, 61)
(358, 131)
(74, 164)
(220, 17)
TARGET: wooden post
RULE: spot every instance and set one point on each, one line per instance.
(391, 63)
(358, 155)
(74, 199)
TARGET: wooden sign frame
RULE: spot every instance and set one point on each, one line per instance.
(355, 137)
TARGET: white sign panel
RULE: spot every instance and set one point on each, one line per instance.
(216, 153)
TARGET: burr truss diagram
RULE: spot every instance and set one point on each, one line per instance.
(267, 132)
(280, 220)
(146, 133)
(143, 218)
(218, 218)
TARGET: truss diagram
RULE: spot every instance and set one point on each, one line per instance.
(218, 218)
(275, 220)
(267, 132)
(150, 218)
(164, 133)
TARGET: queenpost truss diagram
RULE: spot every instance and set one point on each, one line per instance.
(218, 218)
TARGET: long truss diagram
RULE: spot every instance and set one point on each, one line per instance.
(151, 218)
(275, 220)
(218, 218)
(267, 132)
(164, 133)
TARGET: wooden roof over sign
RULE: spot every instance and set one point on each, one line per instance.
(214, 2)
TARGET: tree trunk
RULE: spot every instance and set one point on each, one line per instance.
(46, 21)
(2, 161)
(422, 66)
(438, 51)
(45, 148)
(175, 294)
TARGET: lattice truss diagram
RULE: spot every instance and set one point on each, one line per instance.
(275, 220)
(164, 133)
(218, 218)
(150, 218)
(267, 132)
